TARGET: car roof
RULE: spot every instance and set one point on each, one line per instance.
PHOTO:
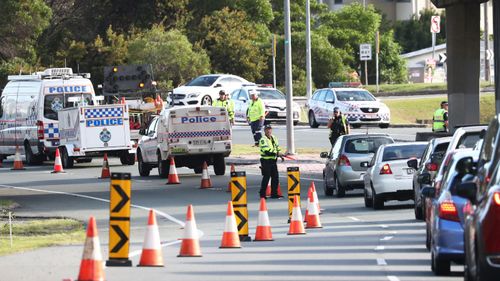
(437, 141)
(477, 128)
(359, 136)
(405, 143)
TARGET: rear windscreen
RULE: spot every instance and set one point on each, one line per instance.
(403, 152)
(53, 103)
(469, 140)
(365, 146)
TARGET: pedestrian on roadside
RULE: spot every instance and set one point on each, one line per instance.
(338, 126)
(440, 118)
(228, 104)
(269, 153)
(255, 116)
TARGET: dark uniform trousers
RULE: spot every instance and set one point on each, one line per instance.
(269, 170)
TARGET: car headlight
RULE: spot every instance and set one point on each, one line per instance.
(194, 95)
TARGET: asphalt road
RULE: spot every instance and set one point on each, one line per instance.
(355, 243)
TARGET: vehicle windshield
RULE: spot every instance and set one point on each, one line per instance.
(365, 145)
(271, 94)
(203, 81)
(354, 96)
(53, 103)
(403, 152)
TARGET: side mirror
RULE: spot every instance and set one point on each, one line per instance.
(428, 191)
(142, 131)
(364, 164)
(465, 165)
(330, 101)
(412, 163)
(424, 178)
(151, 134)
(217, 86)
(323, 155)
(437, 157)
(467, 190)
(243, 99)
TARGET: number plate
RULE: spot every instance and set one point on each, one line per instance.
(281, 114)
(410, 171)
(200, 142)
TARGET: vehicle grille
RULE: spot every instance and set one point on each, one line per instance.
(178, 96)
(369, 119)
(367, 109)
(277, 107)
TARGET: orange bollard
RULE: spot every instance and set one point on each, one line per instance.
(263, 231)
(230, 237)
(190, 246)
(296, 224)
(151, 249)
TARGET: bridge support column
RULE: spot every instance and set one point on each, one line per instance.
(496, 51)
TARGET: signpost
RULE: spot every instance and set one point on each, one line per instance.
(435, 28)
(365, 54)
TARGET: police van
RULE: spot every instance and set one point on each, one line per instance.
(29, 108)
(191, 134)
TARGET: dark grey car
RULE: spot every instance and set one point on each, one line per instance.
(343, 170)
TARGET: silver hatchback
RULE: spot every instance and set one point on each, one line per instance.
(343, 170)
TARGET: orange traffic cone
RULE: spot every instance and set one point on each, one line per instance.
(309, 196)
(268, 189)
(105, 173)
(151, 249)
(296, 224)
(91, 267)
(190, 246)
(58, 168)
(122, 100)
(263, 231)
(229, 183)
(230, 238)
(173, 178)
(315, 196)
(205, 178)
(18, 162)
(312, 218)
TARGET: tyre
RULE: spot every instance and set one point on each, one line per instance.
(418, 210)
(384, 125)
(163, 167)
(206, 100)
(440, 266)
(144, 169)
(312, 120)
(377, 201)
(427, 238)
(219, 165)
(328, 190)
(127, 158)
(340, 189)
(31, 159)
(66, 161)
(356, 126)
(368, 201)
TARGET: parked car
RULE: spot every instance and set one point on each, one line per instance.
(203, 90)
(358, 105)
(388, 176)
(490, 152)
(447, 213)
(426, 170)
(274, 100)
(343, 170)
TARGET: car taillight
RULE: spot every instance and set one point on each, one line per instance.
(496, 198)
(432, 167)
(386, 170)
(344, 161)
(448, 211)
(39, 129)
(491, 225)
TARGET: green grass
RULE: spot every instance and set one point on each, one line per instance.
(415, 87)
(247, 149)
(7, 204)
(32, 234)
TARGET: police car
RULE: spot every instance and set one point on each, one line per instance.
(358, 105)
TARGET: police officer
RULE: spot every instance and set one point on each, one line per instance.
(338, 126)
(269, 153)
(440, 118)
(222, 101)
(255, 115)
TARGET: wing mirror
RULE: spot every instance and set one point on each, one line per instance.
(142, 131)
(217, 86)
(412, 163)
(468, 190)
(428, 191)
(465, 165)
(324, 155)
(243, 99)
(424, 178)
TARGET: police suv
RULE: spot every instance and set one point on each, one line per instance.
(191, 134)
(28, 110)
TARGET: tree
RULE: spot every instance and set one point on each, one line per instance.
(175, 60)
(415, 34)
(392, 66)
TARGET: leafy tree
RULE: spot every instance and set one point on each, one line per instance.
(174, 58)
(392, 68)
(297, 15)
(415, 34)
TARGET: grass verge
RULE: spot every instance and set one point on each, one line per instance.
(247, 149)
(415, 87)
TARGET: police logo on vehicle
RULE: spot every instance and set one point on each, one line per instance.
(56, 105)
(105, 135)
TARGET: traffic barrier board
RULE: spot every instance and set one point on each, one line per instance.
(239, 198)
(293, 187)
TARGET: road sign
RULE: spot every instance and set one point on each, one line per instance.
(365, 51)
(442, 57)
(119, 220)
(489, 54)
(127, 79)
(239, 198)
(435, 24)
(293, 187)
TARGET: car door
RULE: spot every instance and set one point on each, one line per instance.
(319, 110)
(150, 141)
(332, 161)
(329, 104)
(238, 113)
(245, 100)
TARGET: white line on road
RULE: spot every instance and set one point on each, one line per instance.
(387, 238)
(384, 226)
(354, 219)
(379, 248)
(381, 262)
(392, 278)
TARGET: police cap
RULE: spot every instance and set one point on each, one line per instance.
(268, 126)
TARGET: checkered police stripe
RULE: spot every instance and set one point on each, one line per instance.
(104, 112)
(178, 135)
(50, 131)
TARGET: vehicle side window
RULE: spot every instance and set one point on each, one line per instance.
(329, 97)
(2, 103)
(489, 141)
(24, 102)
(322, 95)
(152, 126)
(234, 95)
(336, 148)
(315, 95)
(243, 94)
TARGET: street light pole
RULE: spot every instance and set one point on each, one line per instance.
(308, 51)
(288, 82)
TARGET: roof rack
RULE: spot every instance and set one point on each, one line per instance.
(344, 85)
(50, 73)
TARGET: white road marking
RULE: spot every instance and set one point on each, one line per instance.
(384, 226)
(392, 278)
(387, 238)
(379, 248)
(354, 219)
(381, 262)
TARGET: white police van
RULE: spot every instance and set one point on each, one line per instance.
(192, 134)
(28, 110)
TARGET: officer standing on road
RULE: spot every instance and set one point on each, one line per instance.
(255, 116)
(269, 153)
(440, 118)
(222, 101)
(338, 126)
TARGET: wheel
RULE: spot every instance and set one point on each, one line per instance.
(340, 190)
(427, 237)
(328, 190)
(163, 166)
(144, 169)
(198, 170)
(312, 120)
(127, 158)
(368, 201)
(206, 100)
(439, 266)
(31, 159)
(356, 126)
(219, 165)
(418, 210)
(384, 125)
(377, 201)
(66, 161)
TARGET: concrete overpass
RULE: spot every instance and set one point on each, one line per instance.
(462, 38)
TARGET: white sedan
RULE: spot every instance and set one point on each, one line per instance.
(388, 176)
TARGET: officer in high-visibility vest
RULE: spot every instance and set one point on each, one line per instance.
(255, 115)
(338, 126)
(440, 118)
(269, 153)
(222, 101)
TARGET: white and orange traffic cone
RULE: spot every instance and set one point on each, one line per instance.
(105, 173)
(91, 267)
(309, 196)
(122, 100)
(205, 177)
(18, 162)
(151, 249)
(315, 196)
(58, 168)
(190, 246)
(230, 237)
(263, 231)
(268, 189)
(296, 224)
(229, 183)
(312, 218)
(173, 178)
